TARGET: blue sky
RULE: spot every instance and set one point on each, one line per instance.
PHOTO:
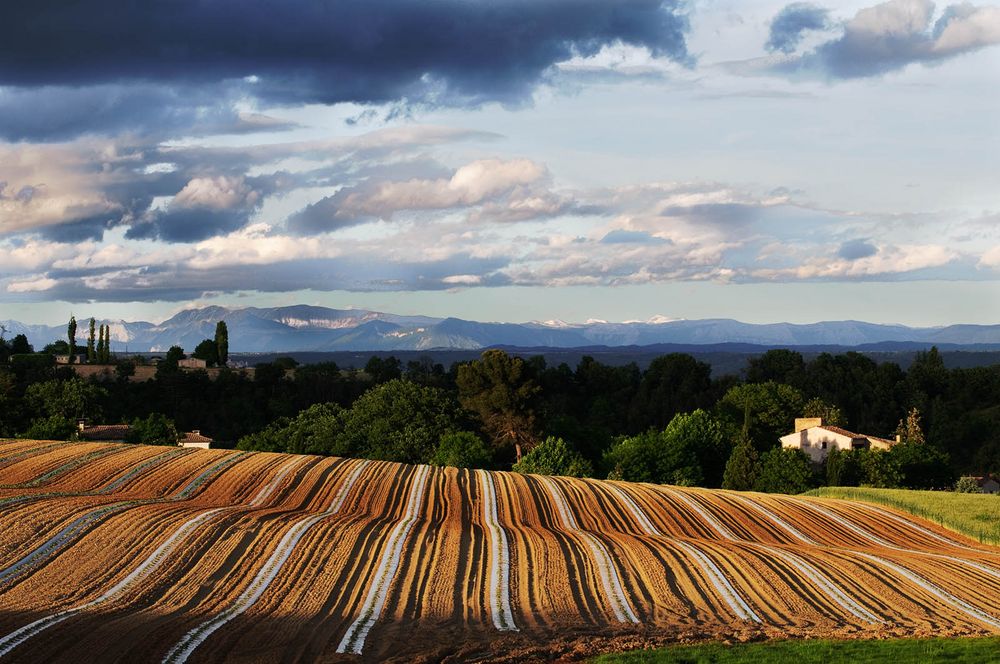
(504, 161)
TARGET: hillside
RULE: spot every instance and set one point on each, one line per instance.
(135, 553)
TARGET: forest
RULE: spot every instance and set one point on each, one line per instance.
(671, 423)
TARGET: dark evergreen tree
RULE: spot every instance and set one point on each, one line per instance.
(71, 335)
(221, 343)
(743, 466)
(91, 349)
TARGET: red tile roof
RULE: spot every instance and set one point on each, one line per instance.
(192, 437)
(842, 432)
(855, 436)
(105, 432)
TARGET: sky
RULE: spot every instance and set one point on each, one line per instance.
(504, 160)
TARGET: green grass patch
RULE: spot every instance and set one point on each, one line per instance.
(893, 651)
(974, 514)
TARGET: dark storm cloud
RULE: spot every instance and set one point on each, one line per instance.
(187, 225)
(90, 228)
(448, 52)
(857, 249)
(791, 23)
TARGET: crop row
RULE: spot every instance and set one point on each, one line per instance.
(212, 555)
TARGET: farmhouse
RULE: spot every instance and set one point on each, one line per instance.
(108, 433)
(195, 439)
(192, 363)
(816, 439)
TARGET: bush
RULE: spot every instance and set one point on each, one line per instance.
(316, 430)
(462, 449)
(157, 429)
(53, 427)
(922, 466)
(879, 469)
(843, 468)
(666, 457)
(554, 457)
(784, 471)
(967, 484)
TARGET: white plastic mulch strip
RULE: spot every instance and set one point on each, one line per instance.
(607, 571)
(499, 576)
(265, 576)
(371, 610)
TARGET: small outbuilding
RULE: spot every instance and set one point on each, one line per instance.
(195, 439)
(988, 483)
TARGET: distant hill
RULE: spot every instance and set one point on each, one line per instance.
(320, 329)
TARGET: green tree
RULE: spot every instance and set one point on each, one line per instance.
(222, 343)
(691, 451)
(399, 421)
(155, 429)
(772, 409)
(19, 345)
(843, 468)
(674, 383)
(778, 365)
(73, 399)
(880, 469)
(708, 437)
(106, 347)
(909, 430)
(500, 389)
(125, 370)
(383, 370)
(743, 465)
(921, 466)
(169, 362)
(654, 456)
(316, 430)
(207, 350)
(53, 427)
(91, 350)
(831, 415)
(784, 471)
(71, 336)
(462, 449)
(554, 456)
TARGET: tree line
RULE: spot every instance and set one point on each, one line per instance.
(672, 422)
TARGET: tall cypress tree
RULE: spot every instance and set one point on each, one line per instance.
(71, 335)
(743, 465)
(91, 352)
(101, 354)
(222, 343)
(107, 344)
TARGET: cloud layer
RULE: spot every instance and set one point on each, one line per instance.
(449, 52)
(882, 38)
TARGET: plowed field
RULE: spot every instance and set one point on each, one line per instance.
(131, 553)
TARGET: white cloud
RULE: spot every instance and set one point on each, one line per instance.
(216, 193)
(31, 285)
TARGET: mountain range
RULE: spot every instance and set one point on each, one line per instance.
(320, 329)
